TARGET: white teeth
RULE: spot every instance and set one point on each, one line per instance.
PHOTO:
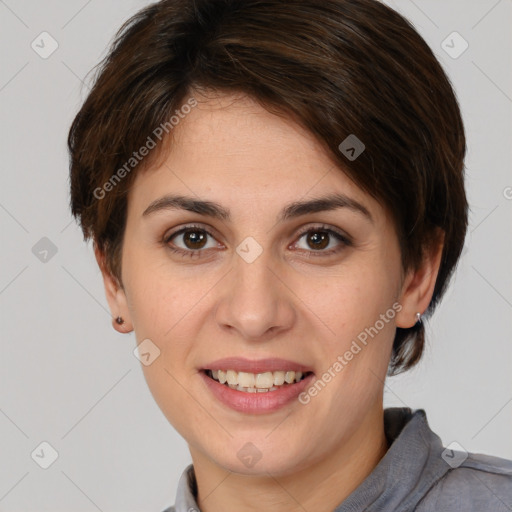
(278, 378)
(232, 377)
(289, 377)
(264, 380)
(255, 383)
(246, 380)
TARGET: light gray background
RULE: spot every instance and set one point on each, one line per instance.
(69, 379)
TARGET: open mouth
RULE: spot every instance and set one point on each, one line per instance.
(256, 382)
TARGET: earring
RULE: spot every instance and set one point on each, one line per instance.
(119, 320)
(418, 317)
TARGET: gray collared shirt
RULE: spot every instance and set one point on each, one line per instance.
(417, 473)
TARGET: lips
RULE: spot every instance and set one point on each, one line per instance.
(257, 399)
(265, 402)
(239, 364)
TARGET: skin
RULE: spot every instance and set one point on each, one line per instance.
(294, 301)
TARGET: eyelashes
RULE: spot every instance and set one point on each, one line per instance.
(189, 252)
(195, 241)
(325, 231)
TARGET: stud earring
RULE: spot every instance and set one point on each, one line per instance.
(119, 320)
(418, 317)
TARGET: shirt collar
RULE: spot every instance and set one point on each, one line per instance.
(412, 464)
(187, 492)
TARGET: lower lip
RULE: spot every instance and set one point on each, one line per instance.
(256, 403)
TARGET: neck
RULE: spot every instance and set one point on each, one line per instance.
(320, 486)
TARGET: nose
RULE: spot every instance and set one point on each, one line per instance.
(255, 301)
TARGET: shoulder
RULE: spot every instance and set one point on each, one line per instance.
(480, 482)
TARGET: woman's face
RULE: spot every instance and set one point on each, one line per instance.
(260, 277)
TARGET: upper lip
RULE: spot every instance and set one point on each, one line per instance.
(240, 364)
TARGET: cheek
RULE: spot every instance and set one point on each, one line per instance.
(356, 316)
(347, 303)
(159, 298)
(161, 307)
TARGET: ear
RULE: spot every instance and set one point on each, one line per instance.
(115, 294)
(418, 285)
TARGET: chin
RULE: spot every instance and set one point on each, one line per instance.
(248, 458)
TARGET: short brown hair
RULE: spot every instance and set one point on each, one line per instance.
(337, 67)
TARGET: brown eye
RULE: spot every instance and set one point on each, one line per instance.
(317, 239)
(190, 240)
(194, 239)
(324, 241)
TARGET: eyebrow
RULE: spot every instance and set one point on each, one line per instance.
(292, 210)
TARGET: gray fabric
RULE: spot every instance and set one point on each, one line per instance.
(413, 475)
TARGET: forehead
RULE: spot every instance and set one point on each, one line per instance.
(232, 150)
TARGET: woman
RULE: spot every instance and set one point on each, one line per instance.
(275, 192)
